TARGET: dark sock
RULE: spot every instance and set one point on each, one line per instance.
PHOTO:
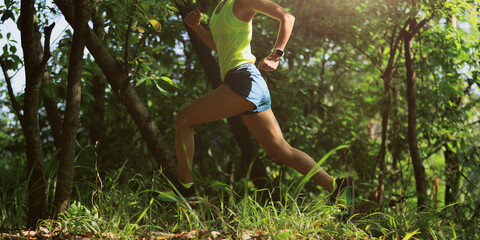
(186, 192)
(340, 184)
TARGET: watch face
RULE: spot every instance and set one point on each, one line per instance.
(279, 52)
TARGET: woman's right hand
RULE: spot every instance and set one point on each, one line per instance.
(193, 18)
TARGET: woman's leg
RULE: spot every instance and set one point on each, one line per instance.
(218, 104)
(264, 127)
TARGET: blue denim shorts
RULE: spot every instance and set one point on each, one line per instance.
(246, 81)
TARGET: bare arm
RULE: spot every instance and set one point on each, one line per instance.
(193, 21)
(275, 11)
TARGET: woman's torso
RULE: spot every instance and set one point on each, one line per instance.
(232, 38)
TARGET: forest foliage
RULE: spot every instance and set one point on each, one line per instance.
(346, 80)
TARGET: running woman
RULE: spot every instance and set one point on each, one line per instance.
(244, 91)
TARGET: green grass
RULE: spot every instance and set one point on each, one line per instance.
(13, 193)
(122, 205)
(128, 210)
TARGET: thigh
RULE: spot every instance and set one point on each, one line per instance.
(218, 104)
(264, 127)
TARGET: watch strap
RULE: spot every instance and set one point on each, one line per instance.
(278, 52)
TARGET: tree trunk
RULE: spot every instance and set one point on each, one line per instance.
(97, 124)
(115, 75)
(383, 146)
(98, 21)
(35, 63)
(397, 140)
(452, 164)
(418, 168)
(74, 91)
(386, 77)
(452, 175)
(53, 115)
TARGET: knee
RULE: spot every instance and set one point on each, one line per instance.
(181, 119)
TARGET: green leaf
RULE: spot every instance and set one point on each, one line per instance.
(175, 227)
(145, 67)
(148, 82)
(156, 25)
(161, 90)
(173, 8)
(141, 215)
(472, 19)
(410, 235)
(6, 15)
(140, 81)
(13, 49)
(158, 49)
(134, 40)
(170, 81)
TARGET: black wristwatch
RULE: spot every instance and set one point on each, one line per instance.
(278, 52)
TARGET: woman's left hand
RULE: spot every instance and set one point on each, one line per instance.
(269, 63)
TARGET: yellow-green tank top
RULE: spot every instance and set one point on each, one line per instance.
(232, 37)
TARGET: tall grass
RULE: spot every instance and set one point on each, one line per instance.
(122, 205)
(13, 193)
(130, 211)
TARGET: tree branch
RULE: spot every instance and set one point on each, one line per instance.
(420, 25)
(415, 27)
(393, 51)
(46, 53)
(428, 155)
(66, 169)
(11, 95)
(473, 123)
(368, 56)
(127, 47)
(115, 75)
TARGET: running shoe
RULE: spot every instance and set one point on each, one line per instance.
(343, 195)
